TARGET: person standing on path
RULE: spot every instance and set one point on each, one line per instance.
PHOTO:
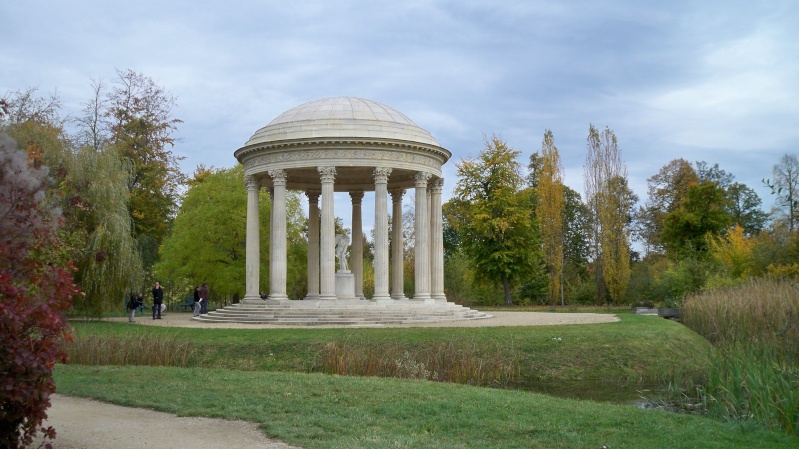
(203, 298)
(134, 303)
(158, 299)
(196, 307)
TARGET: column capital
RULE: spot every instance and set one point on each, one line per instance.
(279, 177)
(327, 174)
(381, 175)
(251, 182)
(421, 178)
(313, 195)
(437, 185)
(396, 194)
(357, 197)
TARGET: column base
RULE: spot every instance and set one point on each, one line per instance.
(424, 299)
(439, 298)
(278, 297)
(381, 298)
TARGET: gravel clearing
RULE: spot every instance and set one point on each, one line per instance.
(88, 424)
(178, 319)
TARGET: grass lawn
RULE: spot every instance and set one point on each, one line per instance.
(275, 377)
(638, 349)
(323, 411)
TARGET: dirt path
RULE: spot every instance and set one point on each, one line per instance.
(87, 424)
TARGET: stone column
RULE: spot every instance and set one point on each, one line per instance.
(397, 255)
(253, 240)
(313, 244)
(437, 243)
(429, 237)
(279, 268)
(381, 234)
(271, 192)
(356, 253)
(327, 245)
(422, 244)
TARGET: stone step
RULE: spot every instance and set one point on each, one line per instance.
(234, 317)
(344, 313)
(367, 306)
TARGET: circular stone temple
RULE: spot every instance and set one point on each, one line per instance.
(354, 145)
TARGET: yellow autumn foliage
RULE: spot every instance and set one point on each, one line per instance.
(733, 252)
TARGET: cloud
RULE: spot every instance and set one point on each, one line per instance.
(710, 81)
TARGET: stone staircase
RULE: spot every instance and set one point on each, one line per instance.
(340, 313)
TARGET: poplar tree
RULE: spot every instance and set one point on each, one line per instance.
(609, 200)
(550, 205)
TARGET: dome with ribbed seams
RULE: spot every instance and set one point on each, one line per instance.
(342, 118)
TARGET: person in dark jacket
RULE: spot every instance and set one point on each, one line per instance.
(203, 298)
(197, 300)
(134, 303)
(158, 299)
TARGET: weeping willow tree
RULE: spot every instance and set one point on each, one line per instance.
(90, 187)
(106, 254)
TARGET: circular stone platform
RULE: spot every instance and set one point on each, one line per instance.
(340, 313)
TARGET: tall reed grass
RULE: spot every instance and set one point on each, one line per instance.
(760, 312)
(441, 362)
(131, 349)
(754, 373)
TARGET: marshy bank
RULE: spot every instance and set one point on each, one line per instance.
(753, 375)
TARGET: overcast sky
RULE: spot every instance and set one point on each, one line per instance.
(714, 81)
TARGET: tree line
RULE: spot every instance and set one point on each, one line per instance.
(544, 243)
(112, 177)
(513, 233)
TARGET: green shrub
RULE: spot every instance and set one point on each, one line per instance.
(584, 293)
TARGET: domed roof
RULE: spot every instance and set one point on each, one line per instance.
(342, 118)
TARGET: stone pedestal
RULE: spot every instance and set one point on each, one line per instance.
(345, 285)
